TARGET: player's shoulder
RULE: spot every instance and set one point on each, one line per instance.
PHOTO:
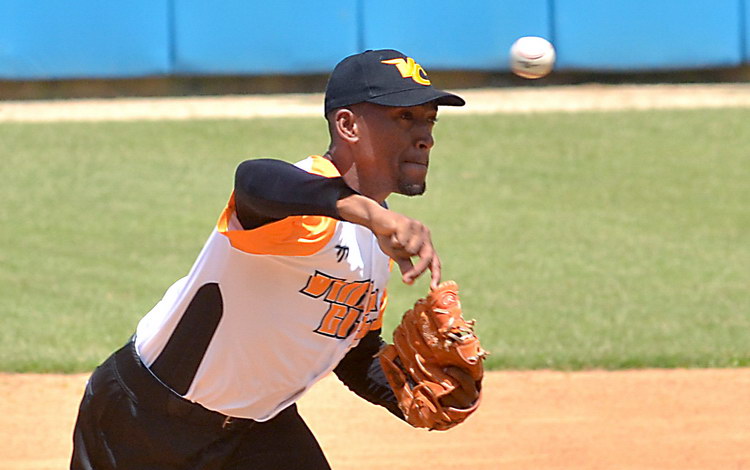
(318, 165)
(314, 164)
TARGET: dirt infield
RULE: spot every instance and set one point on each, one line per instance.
(651, 419)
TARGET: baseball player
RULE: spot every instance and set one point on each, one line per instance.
(290, 285)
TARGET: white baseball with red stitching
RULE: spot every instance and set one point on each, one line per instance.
(532, 57)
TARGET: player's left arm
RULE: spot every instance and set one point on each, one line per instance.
(362, 373)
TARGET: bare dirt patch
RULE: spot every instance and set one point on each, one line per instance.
(650, 419)
(501, 100)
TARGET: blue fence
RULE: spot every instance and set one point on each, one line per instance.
(46, 39)
(50, 39)
(649, 34)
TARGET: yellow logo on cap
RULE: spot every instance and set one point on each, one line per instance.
(409, 69)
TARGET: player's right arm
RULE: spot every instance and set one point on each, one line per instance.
(400, 237)
(269, 190)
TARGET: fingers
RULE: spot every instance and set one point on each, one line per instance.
(428, 259)
(415, 241)
(403, 239)
(435, 270)
(406, 267)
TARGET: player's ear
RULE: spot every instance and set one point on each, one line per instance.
(345, 125)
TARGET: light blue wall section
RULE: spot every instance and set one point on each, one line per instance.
(469, 34)
(51, 39)
(62, 39)
(261, 37)
(647, 34)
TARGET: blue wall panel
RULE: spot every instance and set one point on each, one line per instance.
(48, 39)
(51, 39)
(252, 37)
(745, 11)
(472, 34)
(647, 34)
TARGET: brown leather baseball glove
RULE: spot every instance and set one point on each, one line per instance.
(435, 362)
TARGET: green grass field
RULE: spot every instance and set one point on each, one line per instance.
(589, 240)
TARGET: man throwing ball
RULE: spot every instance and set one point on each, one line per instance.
(290, 285)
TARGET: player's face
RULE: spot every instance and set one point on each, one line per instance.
(396, 142)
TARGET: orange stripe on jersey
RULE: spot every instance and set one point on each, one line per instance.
(378, 324)
(302, 235)
(323, 167)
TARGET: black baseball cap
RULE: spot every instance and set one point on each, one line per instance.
(386, 77)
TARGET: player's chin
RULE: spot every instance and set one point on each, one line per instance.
(407, 188)
(412, 176)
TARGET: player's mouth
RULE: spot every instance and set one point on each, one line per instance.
(415, 169)
(419, 162)
(414, 172)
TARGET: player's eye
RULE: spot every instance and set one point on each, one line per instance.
(407, 115)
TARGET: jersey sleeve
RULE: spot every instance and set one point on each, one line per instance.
(266, 191)
(278, 208)
(360, 371)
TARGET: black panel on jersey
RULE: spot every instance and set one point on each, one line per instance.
(360, 371)
(178, 363)
(268, 190)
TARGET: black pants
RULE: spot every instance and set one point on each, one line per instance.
(130, 421)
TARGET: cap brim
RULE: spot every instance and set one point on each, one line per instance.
(417, 96)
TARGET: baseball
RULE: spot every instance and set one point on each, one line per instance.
(532, 57)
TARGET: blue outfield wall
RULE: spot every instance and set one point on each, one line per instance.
(471, 34)
(47, 39)
(251, 37)
(648, 34)
(52, 39)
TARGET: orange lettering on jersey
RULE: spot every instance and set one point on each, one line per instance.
(318, 284)
(374, 318)
(348, 303)
(331, 323)
(338, 320)
(372, 301)
(353, 294)
(333, 292)
(346, 323)
(409, 69)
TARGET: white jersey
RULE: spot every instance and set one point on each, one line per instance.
(265, 313)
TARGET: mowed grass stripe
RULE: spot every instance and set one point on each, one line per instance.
(587, 240)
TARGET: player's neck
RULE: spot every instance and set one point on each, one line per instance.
(345, 163)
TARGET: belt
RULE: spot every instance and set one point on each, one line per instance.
(147, 391)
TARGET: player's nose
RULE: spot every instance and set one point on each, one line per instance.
(425, 140)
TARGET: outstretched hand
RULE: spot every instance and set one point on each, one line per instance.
(400, 237)
(403, 238)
